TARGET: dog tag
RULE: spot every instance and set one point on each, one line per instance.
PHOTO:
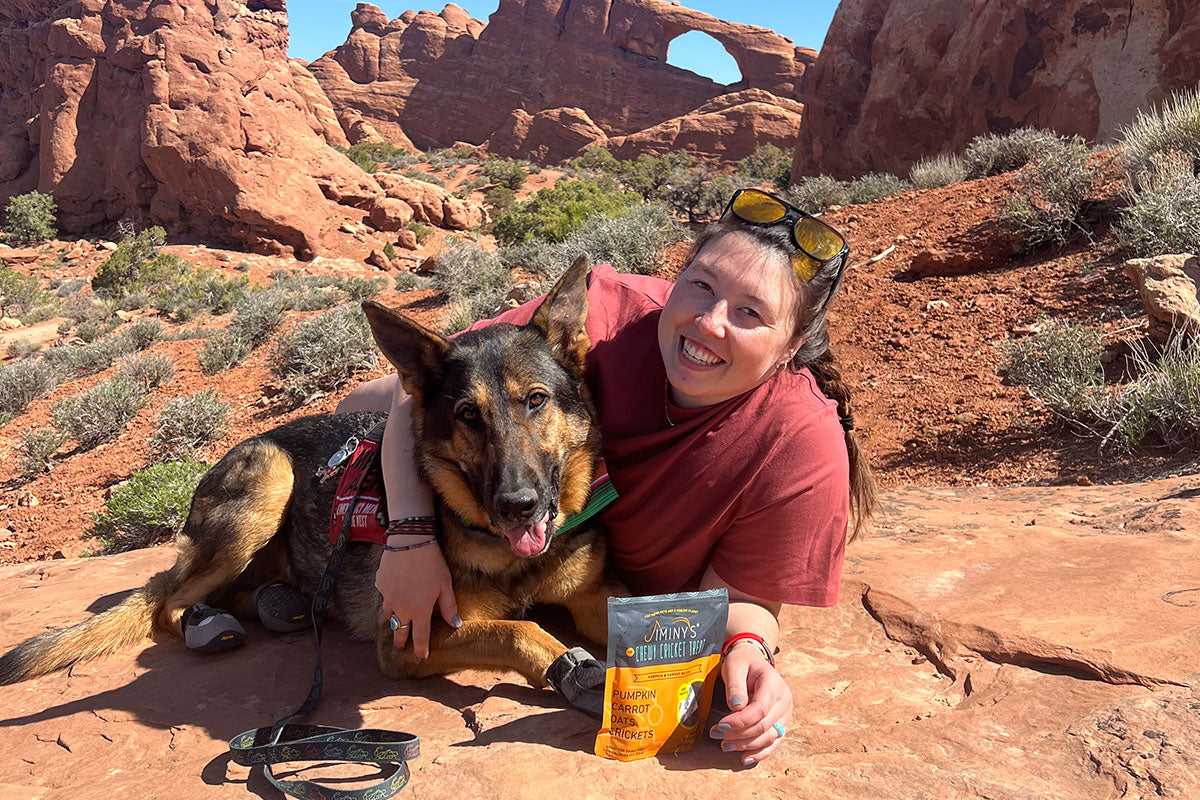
(337, 459)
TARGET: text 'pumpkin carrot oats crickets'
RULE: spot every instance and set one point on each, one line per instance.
(663, 656)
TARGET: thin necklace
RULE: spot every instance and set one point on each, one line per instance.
(666, 402)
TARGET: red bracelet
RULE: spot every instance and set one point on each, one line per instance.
(748, 637)
(409, 525)
(403, 548)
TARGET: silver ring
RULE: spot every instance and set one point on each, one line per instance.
(395, 625)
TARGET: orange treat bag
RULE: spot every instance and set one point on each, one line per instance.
(663, 655)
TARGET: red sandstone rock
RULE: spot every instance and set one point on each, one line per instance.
(183, 113)
(390, 214)
(1170, 289)
(900, 79)
(971, 656)
(430, 204)
(441, 78)
(321, 116)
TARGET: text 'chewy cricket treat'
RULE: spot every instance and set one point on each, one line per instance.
(663, 655)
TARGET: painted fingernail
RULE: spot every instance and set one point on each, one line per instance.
(420, 660)
(735, 702)
(724, 726)
(716, 733)
(457, 621)
(749, 762)
(726, 745)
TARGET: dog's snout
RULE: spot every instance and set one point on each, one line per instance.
(519, 505)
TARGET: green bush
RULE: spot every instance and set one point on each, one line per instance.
(149, 507)
(499, 200)
(30, 218)
(134, 264)
(420, 230)
(20, 293)
(94, 357)
(368, 155)
(224, 350)
(100, 414)
(23, 348)
(410, 281)
(596, 159)
(1162, 213)
(817, 193)
(185, 424)
(25, 381)
(424, 177)
(148, 370)
(1165, 399)
(554, 213)
(1060, 365)
(994, 154)
(768, 164)
(197, 290)
(936, 171)
(508, 174)
(697, 192)
(648, 175)
(144, 333)
(1175, 128)
(1049, 193)
(875, 186)
(321, 354)
(35, 449)
(474, 280)
(633, 241)
(258, 313)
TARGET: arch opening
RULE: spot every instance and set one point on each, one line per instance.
(701, 54)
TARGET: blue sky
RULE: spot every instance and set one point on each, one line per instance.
(321, 25)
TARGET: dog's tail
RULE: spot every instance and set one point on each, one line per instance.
(117, 628)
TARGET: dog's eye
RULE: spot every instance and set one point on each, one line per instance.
(536, 399)
(469, 415)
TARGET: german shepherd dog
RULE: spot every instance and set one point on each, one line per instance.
(506, 437)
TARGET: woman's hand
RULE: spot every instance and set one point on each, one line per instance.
(412, 582)
(759, 697)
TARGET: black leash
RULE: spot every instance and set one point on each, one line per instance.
(287, 741)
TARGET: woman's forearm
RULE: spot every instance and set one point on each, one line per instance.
(407, 494)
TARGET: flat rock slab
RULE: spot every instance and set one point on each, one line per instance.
(989, 643)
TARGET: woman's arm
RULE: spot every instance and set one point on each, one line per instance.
(756, 693)
(411, 582)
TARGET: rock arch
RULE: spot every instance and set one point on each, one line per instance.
(697, 36)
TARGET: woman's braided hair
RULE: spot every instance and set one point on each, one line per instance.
(815, 353)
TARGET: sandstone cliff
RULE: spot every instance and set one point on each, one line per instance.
(545, 78)
(900, 79)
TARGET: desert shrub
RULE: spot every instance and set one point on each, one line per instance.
(20, 293)
(768, 164)
(100, 414)
(30, 218)
(817, 193)
(697, 192)
(223, 350)
(150, 506)
(185, 424)
(632, 241)
(425, 177)
(1162, 211)
(410, 281)
(69, 287)
(1165, 399)
(474, 280)
(35, 449)
(1049, 193)
(148, 370)
(39, 313)
(993, 154)
(322, 353)
(258, 313)
(23, 348)
(92, 329)
(935, 171)
(197, 290)
(132, 265)
(359, 289)
(595, 159)
(1059, 365)
(420, 230)
(93, 357)
(1175, 128)
(508, 174)
(647, 174)
(83, 308)
(144, 333)
(368, 155)
(554, 213)
(499, 200)
(875, 186)
(25, 381)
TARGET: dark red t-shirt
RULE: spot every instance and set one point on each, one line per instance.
(756, 486)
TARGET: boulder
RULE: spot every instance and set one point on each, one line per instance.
(596, 68)
(431, 204)
(897, 80)
(390, 214)
(1170, 289)
(988, 643)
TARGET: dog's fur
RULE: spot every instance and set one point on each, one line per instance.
(506, 434)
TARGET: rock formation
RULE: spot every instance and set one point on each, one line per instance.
(1170, 289)
(900, 79)
(182, 113)
(546, 78)
(989, 643)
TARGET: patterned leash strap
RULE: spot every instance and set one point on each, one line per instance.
(324, 743)
(286, 741)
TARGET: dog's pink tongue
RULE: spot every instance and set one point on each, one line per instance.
(528, 540)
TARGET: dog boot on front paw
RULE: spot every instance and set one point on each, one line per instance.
(211, 630)
(282, 608)
(579, 677)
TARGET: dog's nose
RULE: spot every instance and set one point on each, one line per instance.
(519, 505)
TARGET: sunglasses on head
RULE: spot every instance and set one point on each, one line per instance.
(817, 242)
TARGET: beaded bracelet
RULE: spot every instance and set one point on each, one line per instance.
(754, 639)
(403, 547)
(407, 525)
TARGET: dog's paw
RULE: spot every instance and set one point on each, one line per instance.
(579, 677)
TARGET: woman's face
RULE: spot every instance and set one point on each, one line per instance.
(728, 323)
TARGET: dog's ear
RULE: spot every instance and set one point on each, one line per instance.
(562, 315)
(415, 351)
